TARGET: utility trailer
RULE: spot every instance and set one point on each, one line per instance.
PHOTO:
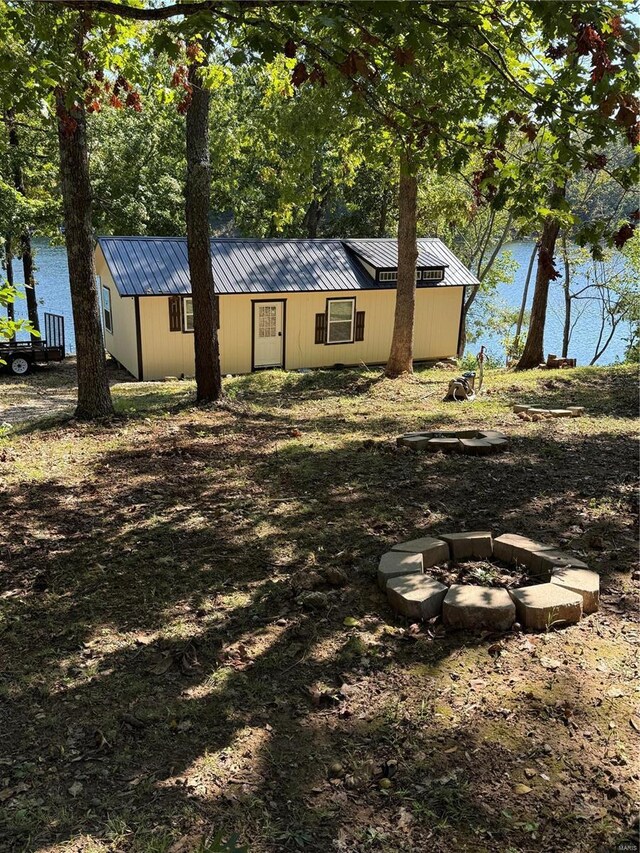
(20, 356)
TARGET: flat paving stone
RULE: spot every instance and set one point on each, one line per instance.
(476, 607)
(395, 563)
(583, 581)
(540, 606)
(416, 596)
(576, 411)
(492, 435)
(560, 413)
(521, 407)
(433, 551)
(473, 543)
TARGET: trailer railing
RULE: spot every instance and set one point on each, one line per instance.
(54, 331)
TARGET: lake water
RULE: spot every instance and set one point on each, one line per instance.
(52, 278)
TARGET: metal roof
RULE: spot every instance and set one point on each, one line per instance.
(158, 266)
(382, 253)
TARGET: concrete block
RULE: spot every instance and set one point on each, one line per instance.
(416, 596)
(477, 607)
(492, 434)
(395, 563)
(521, 407)
(433, 551)
(446, 445)
(560, 413)
(464, 546)
(540, 606)
(544, 562)
(498, 443)
(476, 446)
(583, 581)
(576, 411)
(414, 442)
(512, 547)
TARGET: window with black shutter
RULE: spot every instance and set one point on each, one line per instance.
(359, 334)
(321, 328)
(175, 314)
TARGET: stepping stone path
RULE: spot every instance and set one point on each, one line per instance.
(535, 413)
(473, 442)
(567, 591)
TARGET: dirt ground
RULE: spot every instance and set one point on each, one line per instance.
(161, 686)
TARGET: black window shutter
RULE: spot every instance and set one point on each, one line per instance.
(321, 328)
(359, 335)
(175, 314)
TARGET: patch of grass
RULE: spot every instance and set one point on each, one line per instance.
(154, 650)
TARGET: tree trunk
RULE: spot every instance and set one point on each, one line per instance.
(533, 353)
(312, 219)
(525, 294)
(401, 355)
(94, 397)
(382, 220)
(197, 196)
(25, 237)
(8, 255)
(29, 282)
(566, 331)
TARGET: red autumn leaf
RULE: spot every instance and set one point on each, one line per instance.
(317, 76)
(617, 29)
(290, 49)
(545, 262)
(193, 50)
(361, 65)
(94, 107)
(404, 56)
(588, 40)
(133, 101)
(530, 130)
(628, 112)
(623, 234)
(369, 38)
(115, 102)
(596, 162)
(299, 75)
(348, 66)
(608, 104)
(184, 104)
(556, 51)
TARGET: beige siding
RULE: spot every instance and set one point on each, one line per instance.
(121, 343)
(164, 353)
(168, 353)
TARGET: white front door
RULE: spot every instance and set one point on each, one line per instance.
(268, 334)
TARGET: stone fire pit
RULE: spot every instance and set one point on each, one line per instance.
(567, 590)
(471, 441)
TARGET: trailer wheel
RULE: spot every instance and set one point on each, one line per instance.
(19, 366)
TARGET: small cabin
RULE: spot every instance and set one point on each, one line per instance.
(286, 304)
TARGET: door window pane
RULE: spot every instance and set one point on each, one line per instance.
(267, 321)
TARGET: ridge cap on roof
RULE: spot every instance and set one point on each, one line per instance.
(315, 240)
